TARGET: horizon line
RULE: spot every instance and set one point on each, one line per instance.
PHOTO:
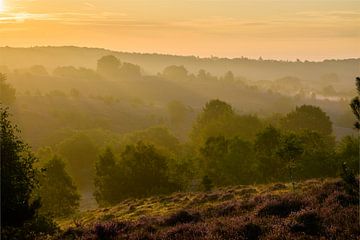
(260, 58)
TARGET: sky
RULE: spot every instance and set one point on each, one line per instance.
(271, 29)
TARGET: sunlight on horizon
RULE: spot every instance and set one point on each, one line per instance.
(2, 7)
(311, 30)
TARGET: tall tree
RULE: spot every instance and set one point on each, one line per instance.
(17, 176)
(266, 144)
(107, 179)
(290, 150)
(355, 105)
(58, 193)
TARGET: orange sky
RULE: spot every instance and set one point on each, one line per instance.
(278, 29)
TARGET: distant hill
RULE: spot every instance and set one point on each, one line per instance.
(52, 57)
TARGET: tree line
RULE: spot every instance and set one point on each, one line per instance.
(225, 148)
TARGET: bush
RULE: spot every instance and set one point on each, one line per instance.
(181, 217)
(251, 231)
(105, 231)
(308, 222)
(282, 207)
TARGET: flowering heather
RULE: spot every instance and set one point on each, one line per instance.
(314, 210)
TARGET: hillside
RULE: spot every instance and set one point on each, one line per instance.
(316, 209)
(152, 63)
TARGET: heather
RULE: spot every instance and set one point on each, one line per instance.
(315, 209)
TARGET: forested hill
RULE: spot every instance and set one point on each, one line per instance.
(52, 57)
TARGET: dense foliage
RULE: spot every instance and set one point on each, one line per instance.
(19, 210)
(120, 134)
(57, 191)
(141, 171)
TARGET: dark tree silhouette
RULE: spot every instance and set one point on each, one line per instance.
(355, 104)
(307, 117)
(17, 176)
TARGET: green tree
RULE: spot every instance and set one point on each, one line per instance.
(318, 157)
(145, 170)
(228, 161)
(7, 92)
(107, 179)
(17, 176)
(160, 137)
(355, 105)
(307, 117)
(266, 144)
(19, 210)
(79, 152)
(219, 119)
(348, 151)
(290, 150)
(57, 191)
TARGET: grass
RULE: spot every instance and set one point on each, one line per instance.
(316, 209)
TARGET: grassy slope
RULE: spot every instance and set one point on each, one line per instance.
(317, 208)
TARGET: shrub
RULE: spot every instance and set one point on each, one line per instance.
(308, 222)
(281, 207)
(251, 231)
(181, 217)
(105, 231)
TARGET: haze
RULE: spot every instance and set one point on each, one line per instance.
(313, 30)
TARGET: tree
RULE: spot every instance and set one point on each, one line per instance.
(17, 176)
(129, 71)
(229, 77)
(266, 144)
(178, 112)
(318, 157)
(290, 149)
(176, 73)
(140, 172)
(7, 92)
(79, 152)
(107, 179)
(159, 137)
(228, 161)
(355, 105)
(57, 191)
(145, 171)
(219, 119)
(307, 117)
(108, 66)
(348, 151)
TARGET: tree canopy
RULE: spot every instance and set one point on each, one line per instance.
(307, 117)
